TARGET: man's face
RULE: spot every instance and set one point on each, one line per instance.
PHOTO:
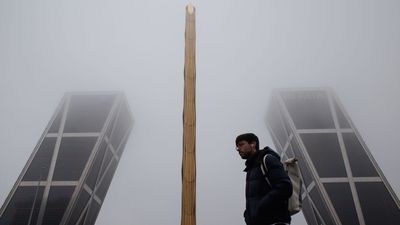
(245, 149)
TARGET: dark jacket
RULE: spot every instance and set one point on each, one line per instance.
(266, 204)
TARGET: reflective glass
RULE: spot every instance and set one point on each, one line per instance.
(309, 109)
(361, 165)
(105, 183)
(82, 221)
(122, 147)
(317, 217)
(274, 121)
(111, 125)
(343, 123)
(276, 146)
(342, 200)
(106, 161)
(57, 121)
(124, 122)
(57, 202)
(321, 206)
(87, 113)
(79, 207)
(39, 167)
(289, 151)
(325, 154)
(72, 157)
(289, 130)
(94, 170)
(377, 204)
(23, 207)
(308, 211)
(92, 214)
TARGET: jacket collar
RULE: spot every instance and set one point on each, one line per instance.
(256, 157)
(252, 160)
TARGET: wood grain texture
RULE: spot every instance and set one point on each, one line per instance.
(188, 213)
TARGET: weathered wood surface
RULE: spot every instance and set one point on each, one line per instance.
(188, 213)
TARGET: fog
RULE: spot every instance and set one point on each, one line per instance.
(244, 50)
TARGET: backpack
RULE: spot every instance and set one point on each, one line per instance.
(293, 171)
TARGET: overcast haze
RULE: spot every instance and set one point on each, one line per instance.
(244, 50)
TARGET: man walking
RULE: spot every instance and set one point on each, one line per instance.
(266, 199)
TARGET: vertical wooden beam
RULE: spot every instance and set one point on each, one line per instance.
(188, 212)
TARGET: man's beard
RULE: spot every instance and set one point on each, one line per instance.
(245, 156)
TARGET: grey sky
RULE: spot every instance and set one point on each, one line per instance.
(244, 49)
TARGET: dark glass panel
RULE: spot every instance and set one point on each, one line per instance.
(325, 154)
(276, 145)
(289, 151)
(308, 211)
(304, 169)
(107, 158)
(87, 113)
(39, 167)
(286, 124)
(342, 200)
(122, 147)
(79, 207)
(343, 123)
(94, 171)
(23, 207)
(377, 204)
(124, 122)
(92, 214)
(105, 183)
(111, 125)
(360, 164)
(274, 121)
(317, 217)
(72, 157)
(309, 109)
(321, 206)
(57, 121)
(59, 197)
(82, 221)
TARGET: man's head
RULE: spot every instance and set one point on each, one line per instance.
(247, 144)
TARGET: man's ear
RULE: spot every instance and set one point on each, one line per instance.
(253, 144)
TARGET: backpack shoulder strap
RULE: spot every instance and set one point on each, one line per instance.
(264, 169)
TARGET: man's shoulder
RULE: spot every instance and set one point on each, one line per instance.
(270, 157)
(270, 153)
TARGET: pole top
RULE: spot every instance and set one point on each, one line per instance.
(190, 8)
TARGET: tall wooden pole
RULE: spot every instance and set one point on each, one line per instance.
(188, 213)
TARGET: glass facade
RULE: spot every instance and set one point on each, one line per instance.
(67, 177)
(342, 182)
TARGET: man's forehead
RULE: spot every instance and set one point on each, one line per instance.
(242, 142)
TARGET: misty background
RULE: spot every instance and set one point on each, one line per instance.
(244, 50)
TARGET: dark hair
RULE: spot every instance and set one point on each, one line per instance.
(249, 137)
